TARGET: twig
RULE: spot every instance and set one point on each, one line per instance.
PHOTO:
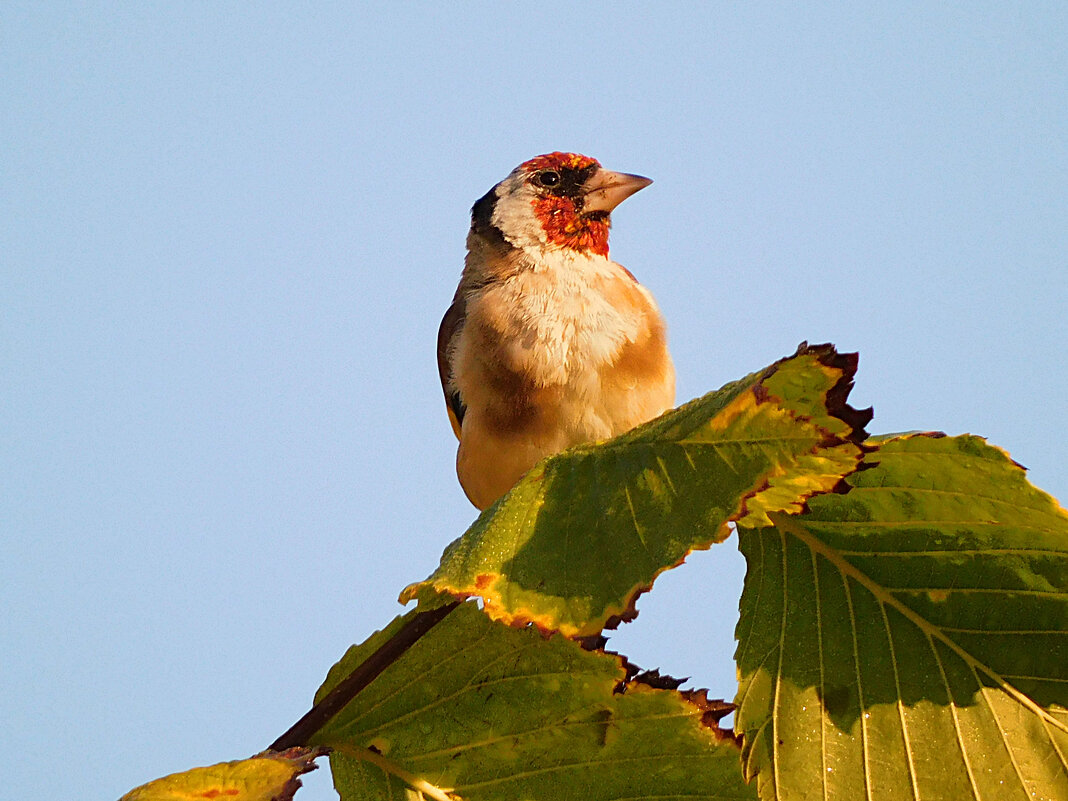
(335, 700)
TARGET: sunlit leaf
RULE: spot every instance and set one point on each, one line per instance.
(480, 711)
(572, 546)
(268, 777)
(909, 638)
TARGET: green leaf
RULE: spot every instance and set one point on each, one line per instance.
(481, 711)
(908, 638)
(572, 546)
(267, 777)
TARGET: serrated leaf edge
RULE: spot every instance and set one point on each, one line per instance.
(834, 404)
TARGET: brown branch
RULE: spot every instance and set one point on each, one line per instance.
(335, 700)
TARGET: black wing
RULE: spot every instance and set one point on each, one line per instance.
(450, 324)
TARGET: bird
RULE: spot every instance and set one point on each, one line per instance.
(548, 343)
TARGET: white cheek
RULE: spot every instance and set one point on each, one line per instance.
(513, 213)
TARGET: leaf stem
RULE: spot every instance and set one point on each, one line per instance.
(390, 767)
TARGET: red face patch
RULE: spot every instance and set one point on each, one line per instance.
(565, 227)
(562, 224)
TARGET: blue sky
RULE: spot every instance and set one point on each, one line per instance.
(227, 235)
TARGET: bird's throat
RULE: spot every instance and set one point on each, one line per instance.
(566, 227)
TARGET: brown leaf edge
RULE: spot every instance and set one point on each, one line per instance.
(837, 396)
(712, 710)
(836, 402)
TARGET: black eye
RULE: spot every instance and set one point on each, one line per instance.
(548, 178)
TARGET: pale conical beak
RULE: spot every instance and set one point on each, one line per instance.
(605, 190)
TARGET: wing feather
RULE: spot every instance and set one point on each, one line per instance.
(450, 325)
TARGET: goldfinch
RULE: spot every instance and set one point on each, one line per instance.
(548, 343)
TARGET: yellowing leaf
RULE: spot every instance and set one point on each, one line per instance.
(572, 546)
(268, 777)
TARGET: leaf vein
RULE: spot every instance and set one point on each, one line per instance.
(860, 685)
(953, 712)
(909, 757)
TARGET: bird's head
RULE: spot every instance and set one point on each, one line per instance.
(559, 200)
